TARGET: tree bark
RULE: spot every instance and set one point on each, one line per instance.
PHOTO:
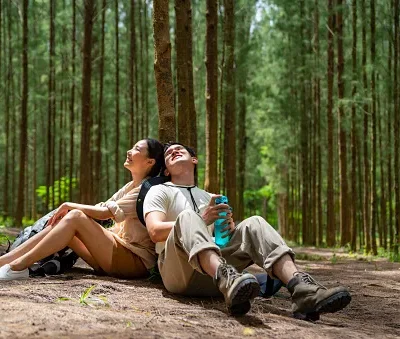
(117, 164)
(331, 228)
(162, 71)
(24, 116)
(344, 224)
(373, 135)
(396, 130)
(86, 119)
(367, 231)
(354, 151)
(230, 106)
(211, 175)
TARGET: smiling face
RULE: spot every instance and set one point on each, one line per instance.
(178, 158)
(137, 158)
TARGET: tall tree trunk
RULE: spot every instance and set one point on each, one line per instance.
(244, 34)
(331, 225)
(373, 135)
(117, 164)
(305, 220)
(24, 116)
(162, 71)
(7, 201)
(72, 104)
(86, 119)
(344, 224)
(230, 106)
(146, 89)
(132, 66)
(51, 110)
(182, 13)
(353, 206)
(367, 231)
(192, 107)
(383, 219)
(396, 129)
(389, 134)
(211, 177)
(99, 138)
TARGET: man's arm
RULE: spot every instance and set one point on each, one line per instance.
(157, 227)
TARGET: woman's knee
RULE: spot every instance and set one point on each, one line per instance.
(75, 215)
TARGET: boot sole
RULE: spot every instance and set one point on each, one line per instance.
(332, 304)
(245, 291)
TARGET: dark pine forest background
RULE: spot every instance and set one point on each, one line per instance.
(293, 107)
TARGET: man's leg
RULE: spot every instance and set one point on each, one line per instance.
(191, 260)
(254, 240)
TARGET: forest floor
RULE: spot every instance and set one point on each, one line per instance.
(50, 307)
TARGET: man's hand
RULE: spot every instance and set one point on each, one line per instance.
(60, 213)
(230, 225)
(212, 211)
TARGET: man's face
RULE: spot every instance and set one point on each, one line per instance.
(177, 156)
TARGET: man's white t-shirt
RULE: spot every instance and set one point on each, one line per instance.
(172, 200)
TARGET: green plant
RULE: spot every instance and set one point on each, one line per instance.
(334, 259)
(86, 299)
(60, 188)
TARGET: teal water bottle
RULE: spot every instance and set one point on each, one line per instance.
(218, 225)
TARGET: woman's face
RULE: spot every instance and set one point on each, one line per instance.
(137, 159)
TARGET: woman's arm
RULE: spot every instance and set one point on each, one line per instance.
(95, 212)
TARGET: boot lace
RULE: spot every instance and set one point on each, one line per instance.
(308, 279)
(230, 273)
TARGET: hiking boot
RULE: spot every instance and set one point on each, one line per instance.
(310, 299)
(238, 288)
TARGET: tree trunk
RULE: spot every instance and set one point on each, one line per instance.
(373, 135)
(211, 175)
(353, 206)
(182, 13)
(86, 119)
(24, 116)
(72, 104)
(162, 71)
(367, 231)
(396, 129)
(117, 164)
(132, 64)
(51, 110)
(99, 137)
(344, 224)
(331, 224)
(146, 89)
(230, 106)
(389, 134)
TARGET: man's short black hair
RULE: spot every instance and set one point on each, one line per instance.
(189, 149)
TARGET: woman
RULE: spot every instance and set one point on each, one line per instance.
(123, 251)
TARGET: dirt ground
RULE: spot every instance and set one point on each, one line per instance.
(142, 309)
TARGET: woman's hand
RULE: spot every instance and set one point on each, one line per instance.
(60, 213)
(212, 211)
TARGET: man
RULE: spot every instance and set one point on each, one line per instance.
(178, 217)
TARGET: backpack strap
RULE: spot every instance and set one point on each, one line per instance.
(146, 185)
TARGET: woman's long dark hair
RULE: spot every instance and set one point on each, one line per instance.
(155, 150)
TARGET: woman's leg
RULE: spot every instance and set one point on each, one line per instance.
(24, 248)
(99, 243)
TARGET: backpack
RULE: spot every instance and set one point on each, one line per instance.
(146, 185)
(56, 263)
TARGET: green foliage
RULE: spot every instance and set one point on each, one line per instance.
(86, 299)
(60, 189)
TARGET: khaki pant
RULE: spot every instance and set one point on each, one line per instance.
(253, 241)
